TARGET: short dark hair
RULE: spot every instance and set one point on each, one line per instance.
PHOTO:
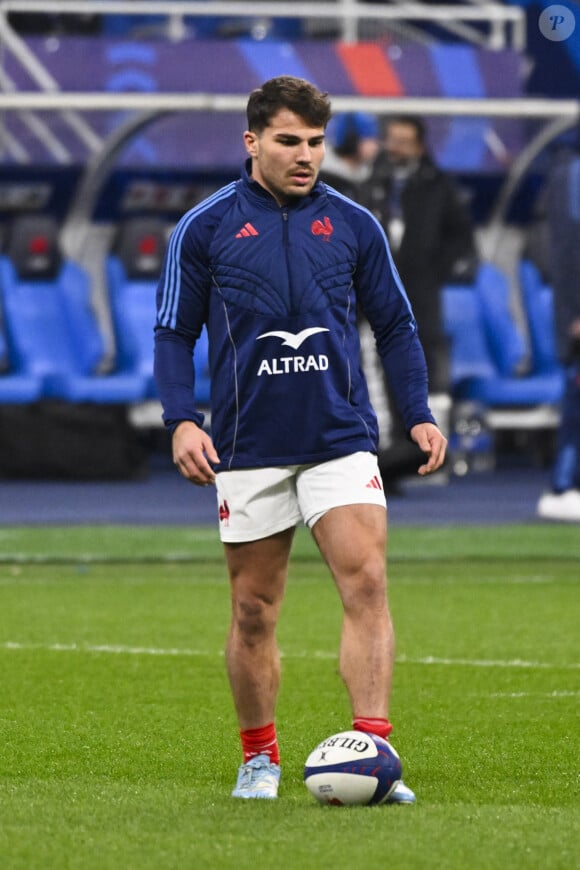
(287, 92)
(414, 121)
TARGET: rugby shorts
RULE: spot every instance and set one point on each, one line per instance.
(255, 503)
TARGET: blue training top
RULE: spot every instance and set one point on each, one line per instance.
(278, 288)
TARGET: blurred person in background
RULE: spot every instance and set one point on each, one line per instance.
(562, 214)
(352, 147)
(431, 236)
(350, 153)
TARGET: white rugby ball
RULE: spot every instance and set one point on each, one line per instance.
(352, 768)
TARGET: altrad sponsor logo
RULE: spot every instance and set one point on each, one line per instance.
(291, 339)
(286, 365)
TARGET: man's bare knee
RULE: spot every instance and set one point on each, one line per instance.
(364, 588)
(254, 618)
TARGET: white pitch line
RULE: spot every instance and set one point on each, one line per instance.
(554, 694)
(119, 649)
(111, 649)
(485, 663)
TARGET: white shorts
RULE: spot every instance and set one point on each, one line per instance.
(255, 503)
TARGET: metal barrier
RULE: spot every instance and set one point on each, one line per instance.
(506, 25)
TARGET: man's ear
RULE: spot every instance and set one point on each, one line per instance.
(251, 143)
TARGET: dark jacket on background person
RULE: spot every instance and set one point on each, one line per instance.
(437, 245)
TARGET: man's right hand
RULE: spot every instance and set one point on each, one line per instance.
(193, 451)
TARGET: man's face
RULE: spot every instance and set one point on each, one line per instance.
(401, 143)
(286, 156)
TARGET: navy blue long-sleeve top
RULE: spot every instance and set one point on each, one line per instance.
(278, 288)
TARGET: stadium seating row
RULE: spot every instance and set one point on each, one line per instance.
(495, 360)
(52, 344)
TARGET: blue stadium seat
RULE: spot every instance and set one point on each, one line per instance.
(54, 333)
(202, 378)
(132, 304)
(133, 311)
(505, 340)
(16, 387)
(463, 318)
(487, 347)
(538, 301)
(4, 358)
(132, 271)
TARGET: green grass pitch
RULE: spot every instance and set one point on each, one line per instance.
(118, 742)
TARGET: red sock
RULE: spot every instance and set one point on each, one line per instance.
(260, 741)
(380, 727)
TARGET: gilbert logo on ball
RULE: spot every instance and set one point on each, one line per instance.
(352, 768)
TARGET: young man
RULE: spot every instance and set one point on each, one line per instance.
(275, 265)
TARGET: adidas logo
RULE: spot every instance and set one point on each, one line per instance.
(374, 483)
(247, 230)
